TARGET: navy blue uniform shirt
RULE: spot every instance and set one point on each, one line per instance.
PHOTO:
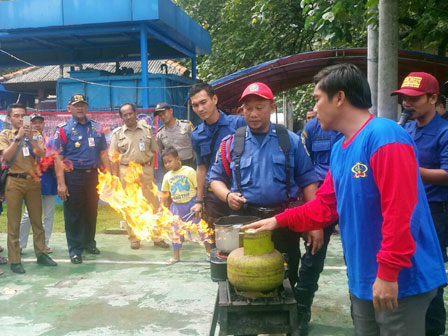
(318, 142)
(81, 143)
(432, 145)
(263, 175)
(203, 135)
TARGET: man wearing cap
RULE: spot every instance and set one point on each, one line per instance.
(49, 189)
(82, 150)
(21, 147)
(135, 142)
(418, 94)
(175, 133)
(270, 175)
(205, 139)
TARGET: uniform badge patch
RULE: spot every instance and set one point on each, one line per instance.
(359, 169)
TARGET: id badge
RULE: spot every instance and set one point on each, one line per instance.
(26, 151)
(91, 142)
(141, 146)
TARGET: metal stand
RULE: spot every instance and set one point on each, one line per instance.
(242, 316)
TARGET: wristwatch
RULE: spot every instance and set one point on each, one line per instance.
(16, 139)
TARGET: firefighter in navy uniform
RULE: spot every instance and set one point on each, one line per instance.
(273, 168)
(83, 146)
(205, 139)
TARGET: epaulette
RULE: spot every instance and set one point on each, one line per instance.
(116, 129)
(184, 121)
(62, 124)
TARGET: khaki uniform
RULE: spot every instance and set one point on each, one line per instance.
(19, 188)
(179, 137)
(137, 146)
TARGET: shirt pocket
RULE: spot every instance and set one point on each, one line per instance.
(428, 153)
(278, 167)
(122, 145)
(321, 151)
(205, 149)
(245, 170)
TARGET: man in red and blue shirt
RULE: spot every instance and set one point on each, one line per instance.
(394, 264)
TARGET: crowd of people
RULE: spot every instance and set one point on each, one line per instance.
(386, 186)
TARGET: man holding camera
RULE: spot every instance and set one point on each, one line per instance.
(21, 148)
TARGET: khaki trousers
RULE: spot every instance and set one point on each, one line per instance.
(146, 180)
(17, 190)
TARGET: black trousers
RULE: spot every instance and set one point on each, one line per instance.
(436, 313)
(312, 265)
(80, 210)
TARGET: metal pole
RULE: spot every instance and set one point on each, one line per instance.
(144, 61)
(193, 68)
(388, 58)
(372, 64)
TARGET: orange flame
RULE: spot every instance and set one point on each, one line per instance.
(145, 221)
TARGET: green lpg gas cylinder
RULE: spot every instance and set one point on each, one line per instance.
(256, 267)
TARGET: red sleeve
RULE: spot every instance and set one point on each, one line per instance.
(398, 190)
(315, 214)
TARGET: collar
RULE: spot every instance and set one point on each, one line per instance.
(222, 120)
(125, 128)
(176, 124)
(432, 126)
(76, 122)
(271, 132)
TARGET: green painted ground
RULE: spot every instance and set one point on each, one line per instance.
(127, 292)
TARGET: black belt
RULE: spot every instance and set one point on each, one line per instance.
(85, 170)
(21, 176)
(263, 212)
(438, 206)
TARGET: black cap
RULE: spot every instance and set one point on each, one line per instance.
(77, 98)
(36, 116)
(160, 107)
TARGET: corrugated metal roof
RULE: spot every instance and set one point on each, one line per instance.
(51, 73)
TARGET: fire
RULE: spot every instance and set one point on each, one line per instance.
(145, 221)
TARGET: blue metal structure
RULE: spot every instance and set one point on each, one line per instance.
(9, 97)
(44, 32)
(106, 91)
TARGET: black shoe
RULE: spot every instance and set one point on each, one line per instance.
(17, 268)
(161, 244)
(45, 260)
(76, 259)
(92, 250)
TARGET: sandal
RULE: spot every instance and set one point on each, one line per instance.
(172, 261)
(3, 260)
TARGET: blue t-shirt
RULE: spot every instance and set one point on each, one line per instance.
(432, 145)
(360, 215)
(263, 175)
